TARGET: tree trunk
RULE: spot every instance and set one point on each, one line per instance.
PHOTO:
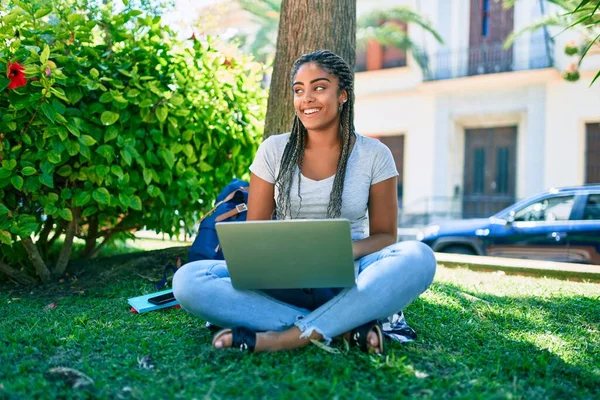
(65, 252)
(36, 259)
(90, 239)
(306, 26)
(16, 275)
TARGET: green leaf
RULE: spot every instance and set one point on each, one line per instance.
(72, 148)
(3, 209)
(59, 93)
(89, 211)
(135, 203)
(45, 54)
(94, 73)
(168, 156)
(6, 238)
(153, 191)
(49, 111)
(147, 176)
(52, 198)
(47, 180)
(177, 100)
(117, 170)
(102, 170)
(106, 97)
(124, 200)
(596, 77)
(9, 164)
(4, 82)
(205, 167)
(65, 170)
(82, 198)
(17, 182)
(74, 95)
(42, 12)
(126, 156)
(109, 117)
(111, 133)
(66, 214)
(161, 113)
(66, 194)
(54, 157)
(73, 129)
(28, 171)
(26, 139)
(101, 195)
(87, 140)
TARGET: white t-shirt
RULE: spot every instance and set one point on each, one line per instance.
(370, 162)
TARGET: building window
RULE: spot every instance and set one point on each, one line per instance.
(485, 19)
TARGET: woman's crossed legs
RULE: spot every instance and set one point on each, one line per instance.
(388, 281)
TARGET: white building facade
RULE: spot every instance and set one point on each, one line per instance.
(481, 126)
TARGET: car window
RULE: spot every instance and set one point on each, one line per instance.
(548, 209)
(592, 207)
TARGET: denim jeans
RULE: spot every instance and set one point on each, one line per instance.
(388, 281)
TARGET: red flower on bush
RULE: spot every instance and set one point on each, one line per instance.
(16, 75)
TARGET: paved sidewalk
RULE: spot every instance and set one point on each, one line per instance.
(522, 267)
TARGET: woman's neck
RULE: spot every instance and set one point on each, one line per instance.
(329, 138)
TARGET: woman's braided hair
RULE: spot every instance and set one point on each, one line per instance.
(293, 155)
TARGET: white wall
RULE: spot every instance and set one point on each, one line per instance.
(569, 107)
(412, 115)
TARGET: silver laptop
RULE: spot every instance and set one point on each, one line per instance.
(288, 254)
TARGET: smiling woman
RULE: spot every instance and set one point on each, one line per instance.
(321, 169)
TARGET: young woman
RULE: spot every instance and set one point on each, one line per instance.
(322, 169)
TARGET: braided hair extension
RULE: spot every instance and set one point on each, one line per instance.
(293, 155)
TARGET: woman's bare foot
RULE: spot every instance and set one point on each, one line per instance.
(288, 340)
(372, 341)
(271, 340)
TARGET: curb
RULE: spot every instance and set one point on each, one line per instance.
(570, 271)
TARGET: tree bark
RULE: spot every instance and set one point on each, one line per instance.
(36, 259)
(16, 275)
(306, 26)
(65, 252)
(92, 235)
(43, 238)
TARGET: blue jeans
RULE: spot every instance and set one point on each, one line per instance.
(388, 281)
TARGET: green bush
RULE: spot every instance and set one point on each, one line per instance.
(118, 126)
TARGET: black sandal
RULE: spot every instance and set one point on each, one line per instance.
(358, 336)
(242, 338)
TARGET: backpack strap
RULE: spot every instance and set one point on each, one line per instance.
(240, 208)
(229, 197)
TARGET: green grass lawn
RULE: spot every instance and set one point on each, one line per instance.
(481, 335)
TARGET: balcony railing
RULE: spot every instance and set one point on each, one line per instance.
(487, 59)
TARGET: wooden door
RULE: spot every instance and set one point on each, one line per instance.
(489, 170)
(396, 145)
(592, 153)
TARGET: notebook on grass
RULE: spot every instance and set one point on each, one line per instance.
(153, 301)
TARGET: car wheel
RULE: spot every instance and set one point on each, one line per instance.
(459, 249)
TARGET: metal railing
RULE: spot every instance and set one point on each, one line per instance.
(487, 59)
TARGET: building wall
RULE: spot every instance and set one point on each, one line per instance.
(550, 113)
(569, 107)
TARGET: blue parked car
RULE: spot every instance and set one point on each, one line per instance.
(556, 225)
